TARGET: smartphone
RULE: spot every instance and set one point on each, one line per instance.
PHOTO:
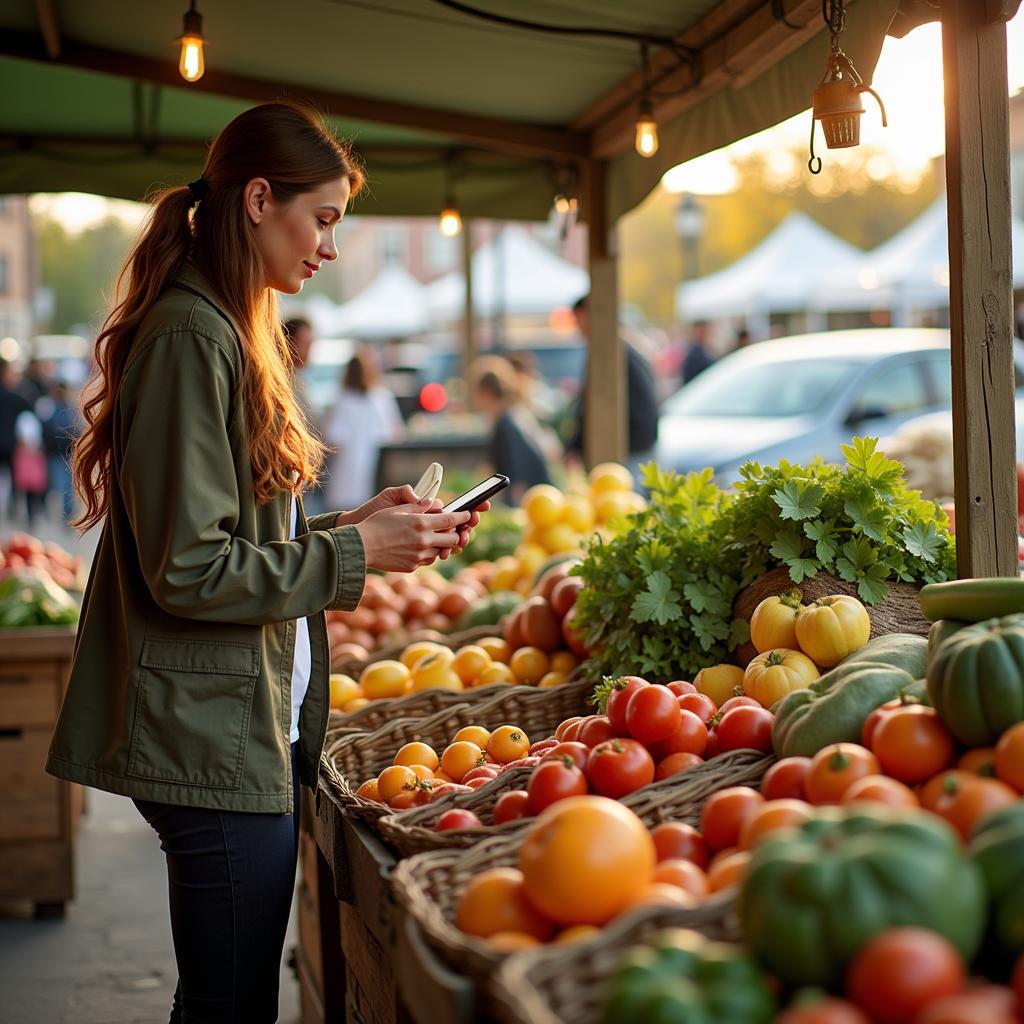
(478, 495)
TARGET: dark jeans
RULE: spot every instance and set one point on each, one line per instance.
(230, 879)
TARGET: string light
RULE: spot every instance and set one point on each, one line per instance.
(191, 64)
(646, 130)
(450, 222)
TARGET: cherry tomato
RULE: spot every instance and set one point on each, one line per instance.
(553, 781)
(567, 724)
(743, 726)
(785, 779)
(835, 768)
(457, 818)
(912, 744)
(724, 814)
(690, 737)
(676, 839)
(676, 763)
(594, 730)
(622, 690)
(511, 806)
(652, 714)
(681, 687)
(700, 704)
(618, 767)
(579, 752)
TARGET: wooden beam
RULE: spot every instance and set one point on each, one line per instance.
(468, 313)
(516, 138)
(729, 54)
(980, 299)
(606, 438)
(49, 26)
(1001, 10)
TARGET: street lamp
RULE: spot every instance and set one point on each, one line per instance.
(690, 219)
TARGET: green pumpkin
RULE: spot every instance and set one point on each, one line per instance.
(997, 848)
(490, 610)
(685, 979)
(813, 896)
(976, 680)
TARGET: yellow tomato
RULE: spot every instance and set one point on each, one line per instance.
(435, 672)
(531, 557)
(460, 758)
(384, 679)
(499, 672)
(560, 537)
(833, 628)
(393, 780)
(529, 665)
(610, 476)
(578, 513)
(773, 623)
(343, 689)
(506, 573)
(543, 504)
(565, 662)
(496, 647)
(470, 661)
(356, 704)
(773, 674)
(473, 734)
(419, 650)
(612, 505)
(719, 682)
(508, 743)
(417, 753)
(551, 679)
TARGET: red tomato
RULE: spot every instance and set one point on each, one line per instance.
(510, 806)
(447, 787)
(700, 704)
(835, 768)
(542, 746)
(477, 783)
(567, 724)
(986, 1004)
(826, 1010)
(690, 737)
(738, 702)
(594, 730)
(714, 747)
(743, 727)
(618, 767)
(867, 730)
(485, 771)
(553, 781)
(675, 839)
(785, 779)
(676, 763)
(457, 818)
(681, 687)
(1017, 982)
(724, 814)
(652, 714)
(579, 752)
(912, 743)
(520, 762)
(623, 689)
(900, 971)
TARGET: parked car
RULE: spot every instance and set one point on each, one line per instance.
(323, 374)
(800, 397)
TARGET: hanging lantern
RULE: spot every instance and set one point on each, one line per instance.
(837, 101)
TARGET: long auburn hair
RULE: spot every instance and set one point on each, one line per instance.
(290, 145)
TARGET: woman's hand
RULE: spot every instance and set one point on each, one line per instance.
(399, 538)
(466, 532)
(390, 497)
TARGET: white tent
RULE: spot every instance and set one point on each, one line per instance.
(909, 272)
(392, 305)
(513, 272)
(778, 276)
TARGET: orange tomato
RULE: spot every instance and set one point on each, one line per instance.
(564, 661)
(725, 812)
(834, 768)
(508, 743)
(585, 859)
(423, 773)
(980, 761)
(461, 758)
(912, 744)
(369, 791)
(1010, 757)
(496, 647)
(684, 874)
(393, 780)
(575, 933)
(772, 816)
(473, 734)
(661, 894)
(404, 799)
(727, 871)
(880, 789)
(417, 753)
(552, 679)
(512, 942)
(786, 778)
(495, 901)
(965, 800)
(383, 680)
(529, 665)
(470, 662)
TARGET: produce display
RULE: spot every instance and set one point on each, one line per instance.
(23, 551)
(35, 580)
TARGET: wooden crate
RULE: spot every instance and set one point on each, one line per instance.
(38, 813)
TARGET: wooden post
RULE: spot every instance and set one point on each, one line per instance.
(468, 316)
(606, 437)
(980, 299)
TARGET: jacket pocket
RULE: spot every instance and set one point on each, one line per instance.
(192, 710)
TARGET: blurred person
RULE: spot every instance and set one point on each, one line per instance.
(534, 391)
(12, 405)
(199, 681)
(28, 465)
(641, 400)
(59, 431)
(365, 417)
(698, 357)
(298, 335)
(742, 339)
(37, 380)
(514, 447)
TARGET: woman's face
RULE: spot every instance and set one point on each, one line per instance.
(295, 237)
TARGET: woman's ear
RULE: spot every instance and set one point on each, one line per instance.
(255, 197)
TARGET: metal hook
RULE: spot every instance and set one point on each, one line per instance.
(814, 159)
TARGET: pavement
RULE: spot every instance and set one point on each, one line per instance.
(110, 959)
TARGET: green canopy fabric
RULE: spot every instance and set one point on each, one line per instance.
(117, 128)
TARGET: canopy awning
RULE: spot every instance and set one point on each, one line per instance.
(392, 305)
(429, 94)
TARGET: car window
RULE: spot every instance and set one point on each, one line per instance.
(894, 390)
(941, 375)
(744, 388)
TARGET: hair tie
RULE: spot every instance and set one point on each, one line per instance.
(198, 188)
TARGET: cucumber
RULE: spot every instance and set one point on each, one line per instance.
(973, 600)
(943, 630)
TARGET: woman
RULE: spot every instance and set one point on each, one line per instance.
(199, 685)
(365, 417)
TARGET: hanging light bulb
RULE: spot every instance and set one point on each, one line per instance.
(191, 63)
(450, 223)
(646, 130)
(562, 204)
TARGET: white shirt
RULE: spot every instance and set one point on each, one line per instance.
(359, 425)
(303, 663)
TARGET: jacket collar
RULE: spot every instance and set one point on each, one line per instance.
(190, 278)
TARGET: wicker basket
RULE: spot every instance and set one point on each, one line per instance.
(351, 759)
(569, 984)
(428, 886)
(679, 798)
(900, 612)
(354, 666)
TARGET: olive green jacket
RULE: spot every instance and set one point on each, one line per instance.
(180, 688)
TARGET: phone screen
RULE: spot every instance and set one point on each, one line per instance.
(475, 496)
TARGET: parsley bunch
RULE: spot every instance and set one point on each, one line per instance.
(658, 598)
